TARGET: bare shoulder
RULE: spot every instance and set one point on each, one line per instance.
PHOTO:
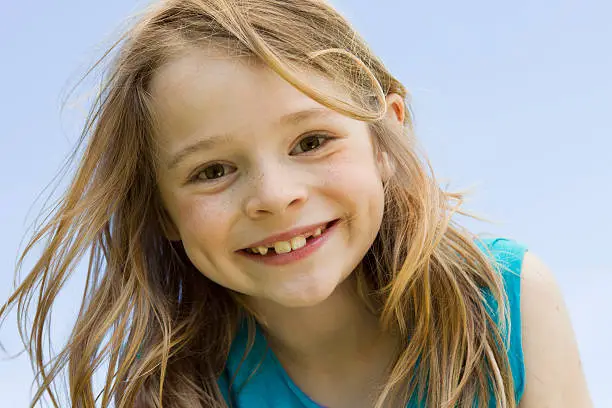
(553, 372)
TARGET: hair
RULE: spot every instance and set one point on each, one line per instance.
(163, 329)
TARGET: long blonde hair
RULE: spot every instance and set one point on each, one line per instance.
(424, 276)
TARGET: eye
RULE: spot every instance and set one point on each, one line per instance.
(213, 172)
(310, 143)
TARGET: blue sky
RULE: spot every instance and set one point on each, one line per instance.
(512, 100)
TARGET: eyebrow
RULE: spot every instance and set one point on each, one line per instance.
(293, 119)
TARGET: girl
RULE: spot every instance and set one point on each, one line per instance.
(262, 233)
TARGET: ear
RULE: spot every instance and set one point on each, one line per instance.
(395, 115)
(396, 109)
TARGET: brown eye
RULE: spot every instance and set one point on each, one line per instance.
(309, 143)
(214, 171)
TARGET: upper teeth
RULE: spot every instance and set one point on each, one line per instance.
(283, 247)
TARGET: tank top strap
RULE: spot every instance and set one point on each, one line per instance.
(507, 255)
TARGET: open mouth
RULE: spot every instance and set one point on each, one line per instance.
(295, 244)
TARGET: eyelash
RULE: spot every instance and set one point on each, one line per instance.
(324, 139)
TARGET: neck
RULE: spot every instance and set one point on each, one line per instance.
(334, 331)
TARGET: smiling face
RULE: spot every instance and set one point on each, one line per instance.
(248, 162)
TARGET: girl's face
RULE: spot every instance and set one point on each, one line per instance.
(249, 164)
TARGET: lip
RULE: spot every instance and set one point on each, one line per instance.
(286, 236)
(313, 244)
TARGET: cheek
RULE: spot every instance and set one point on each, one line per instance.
(353, 180)
(203, 221)
(354, 173)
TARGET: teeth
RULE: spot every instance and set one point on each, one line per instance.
(298, 242)
(282, 247)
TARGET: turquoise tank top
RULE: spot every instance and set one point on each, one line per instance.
(261, 382)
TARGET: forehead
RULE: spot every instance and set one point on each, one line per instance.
(225, 94)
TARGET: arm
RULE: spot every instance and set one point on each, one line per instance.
(553, 371)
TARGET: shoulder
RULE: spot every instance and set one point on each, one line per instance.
(553, 371)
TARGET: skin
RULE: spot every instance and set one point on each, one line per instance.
(270, 186)
(327, 341)
(553, 371)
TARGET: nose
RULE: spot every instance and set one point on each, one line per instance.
(274, 191)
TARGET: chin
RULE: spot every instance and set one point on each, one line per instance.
(309, 292)
(304, 296)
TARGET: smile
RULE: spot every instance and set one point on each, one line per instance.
(290, 248)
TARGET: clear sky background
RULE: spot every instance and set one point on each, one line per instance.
(512, 99)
